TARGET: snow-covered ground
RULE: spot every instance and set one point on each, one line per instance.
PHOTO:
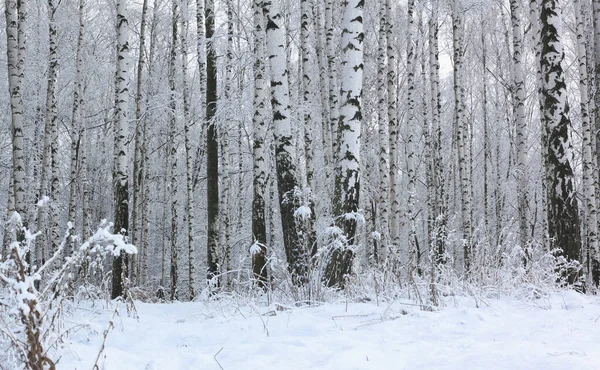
(561, 331)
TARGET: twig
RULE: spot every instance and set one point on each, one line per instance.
(217, 361)
(110, 326)
(261, 319)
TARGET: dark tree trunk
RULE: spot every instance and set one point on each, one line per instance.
(563, 215)
(212, 148)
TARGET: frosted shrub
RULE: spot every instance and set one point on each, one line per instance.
(31, 297)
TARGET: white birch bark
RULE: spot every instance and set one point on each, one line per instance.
(121, 134)
(438, 224)
(534, 17)
(461, 132)
(285, 158)
(589, 183)
(15, 60)
(392, 93)
(410, 133)
(172, 152)
(347, 186)
(518, 96)
(563, 213)
(224, 127)
(308, 85)
(138, 156)
(189, 163)
(332, 49)
(76, 116)
(326, 134)
(260, 155)
(383, 207)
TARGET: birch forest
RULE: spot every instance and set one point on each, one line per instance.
(253, 144)
(180, 149)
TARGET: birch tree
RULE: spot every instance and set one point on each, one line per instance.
(189, 163)
(518, 96)
(172, 150)
(76, 116)
(120, 174)
(260, 150)
(285, 159)
(589, 183)
(392, 94)
(347, 179)
(410, 133)
(461, 132)
(15, 50)
(380, 249)
(138, 156)
(563, 216)
(438, 218)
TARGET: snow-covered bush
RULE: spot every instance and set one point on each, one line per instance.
(31, 297)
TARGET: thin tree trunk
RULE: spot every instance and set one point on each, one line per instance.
(332, 49)
(260, 151)
(120, 174)
(382, 202)
(410, 136)
(15, 23)
(224, 127)
(589, 183)
(138, 156)
(189, 163)
(518, 96)
(461, 133)
(321, 52)
(172, 152)
(392, 93)
(347, 182)
(439, 215)
(212, 148)
(76, 119)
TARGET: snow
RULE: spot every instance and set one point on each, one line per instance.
(556, 332)
(42, 202)
(303, 213)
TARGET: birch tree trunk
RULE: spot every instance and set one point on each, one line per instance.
(52, 116)
(76, 119)
(285, 159)
(534, 15)
(410, 135)
(260, 156)
(347, 181)
(461, 133)
(589, 183)
(224, 127)
(49, 170)
(383, 206)
(308, 85)
(392, 93)
(309, 91)
(189, 163)
(138, 156)
(518, 96)
(563, 216)
(326, 134)
(439, 216)
(15, 50)
(172, 151)
(120, 174)
(332, 48)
